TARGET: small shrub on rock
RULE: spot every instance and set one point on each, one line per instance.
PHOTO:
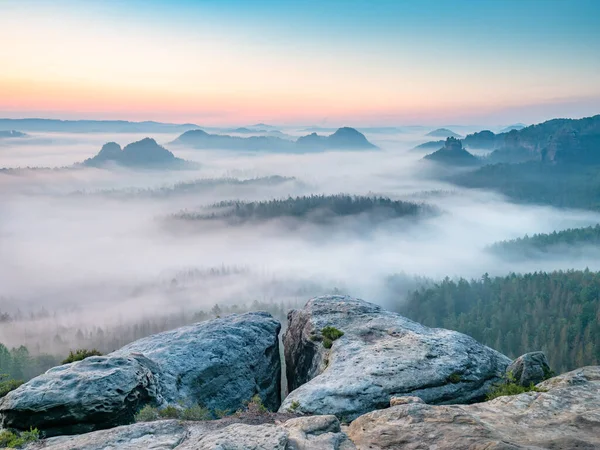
(255, 405)
(80, 354)
(147, 414)
(294, 406)
(510, 387)
(196, 413)
(455, 378)
(169, 412)
(220, 413)
(9, 439)
(330, 334)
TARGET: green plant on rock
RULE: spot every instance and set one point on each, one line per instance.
(9, 439)
(169, 412)
(220, 413)
(80, 354)
(330, 334)
(455, 378)
(294, 406)
(509, 386)
(147, 414)
(196, 413)
(255, 405)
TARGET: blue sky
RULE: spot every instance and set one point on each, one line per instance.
(231, 61)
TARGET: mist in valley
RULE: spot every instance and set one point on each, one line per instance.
(87, 249)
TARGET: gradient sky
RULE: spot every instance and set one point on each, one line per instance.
(395, 62)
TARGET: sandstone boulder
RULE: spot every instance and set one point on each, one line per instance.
(530, 368)
(220, 364)
(98, 392)
(380, 355)
(566, 416)
(304, 433)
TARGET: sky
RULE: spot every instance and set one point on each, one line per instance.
(228, 62)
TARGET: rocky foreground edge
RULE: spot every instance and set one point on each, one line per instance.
(400, 384)
(564, 415)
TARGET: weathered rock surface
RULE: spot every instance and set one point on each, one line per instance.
(567, 416)
(380, 355)
(219, 364)
(76, 398)
(304, 433)
(530, 368)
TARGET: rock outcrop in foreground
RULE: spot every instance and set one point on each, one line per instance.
(303, 433)
(566, 416)
(380, 355)
(219, 364)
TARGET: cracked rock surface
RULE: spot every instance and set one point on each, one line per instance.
(380, 355)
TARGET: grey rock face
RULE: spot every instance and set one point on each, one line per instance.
(219, 364)
(162, 435)
(566, 416)
(530, 368)
(316, 433)
(99, 392)
(380, 355)
(304, 433)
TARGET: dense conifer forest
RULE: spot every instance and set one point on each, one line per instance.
(558, 313)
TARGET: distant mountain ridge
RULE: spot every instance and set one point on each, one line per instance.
(93, 126)
(343, 138)
(556, 140)
(143, 154)
(443, 133)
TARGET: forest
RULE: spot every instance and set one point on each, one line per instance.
(558, 313)
(567, 241)
(561, 185)
(317, 208)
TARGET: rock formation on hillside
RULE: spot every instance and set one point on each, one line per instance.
(381, 354)
(566, 416)
(484, 140)
(219, 364)
(453, 154)
(443, 133)
(144, 154)
(343, 138)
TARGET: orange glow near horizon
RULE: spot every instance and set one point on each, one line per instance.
(215, 74)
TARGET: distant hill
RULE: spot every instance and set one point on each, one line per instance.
(12, 134)
(517, 126)
(431, 145)
(343, 138)
(570, 242)
(93, 126)
(443, 133)
(454, 154)
(143, 154)
(483, 140)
